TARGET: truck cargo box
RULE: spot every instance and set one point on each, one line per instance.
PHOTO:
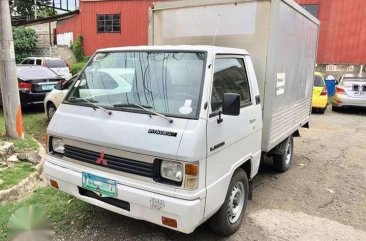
(280, 36)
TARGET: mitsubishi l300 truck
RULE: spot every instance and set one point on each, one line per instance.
(174, 134)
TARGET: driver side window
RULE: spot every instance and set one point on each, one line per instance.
(230, 77)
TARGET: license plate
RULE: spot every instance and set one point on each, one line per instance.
(48, 87)
(104, 187)
(359, 93)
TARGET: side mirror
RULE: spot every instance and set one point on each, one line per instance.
(231, 105)
(58, 86)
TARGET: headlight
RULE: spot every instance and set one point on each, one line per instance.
(172, 171)
(58, 145)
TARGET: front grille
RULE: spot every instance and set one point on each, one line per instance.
(113, 162)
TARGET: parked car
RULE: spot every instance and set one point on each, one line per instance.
(174, 134)
(320, 95)
(58, 65)
(54, 98)
(350, 92)
(35, 82)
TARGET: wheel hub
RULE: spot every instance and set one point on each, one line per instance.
(236, 202)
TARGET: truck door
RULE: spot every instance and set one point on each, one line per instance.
(230, 139)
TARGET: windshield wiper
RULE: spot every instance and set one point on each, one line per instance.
(145, 108)
(94, 106)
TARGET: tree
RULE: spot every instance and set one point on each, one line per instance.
(25, 40)
(25, 8)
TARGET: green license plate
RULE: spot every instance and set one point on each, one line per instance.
(104, 187)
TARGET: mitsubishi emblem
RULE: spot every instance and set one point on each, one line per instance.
(101, 160)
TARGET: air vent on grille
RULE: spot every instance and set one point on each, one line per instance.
(112, 162)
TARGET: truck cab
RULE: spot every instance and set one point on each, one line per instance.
(167, 134)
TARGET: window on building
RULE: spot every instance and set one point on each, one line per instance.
(312, 9)
(109, 23)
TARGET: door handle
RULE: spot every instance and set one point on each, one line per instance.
(251, 121)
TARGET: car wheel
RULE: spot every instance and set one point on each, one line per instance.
(336, 108)
(283, 158)
(228, 218)
(322, 111)
(51, 109)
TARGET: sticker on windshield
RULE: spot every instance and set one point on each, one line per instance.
(186, 109)
(82, 82)
(99, 57)
(77, 83)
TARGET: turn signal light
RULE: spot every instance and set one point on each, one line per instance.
(169, 222)
(54, 184)
(24, 86)
(340, 91)
(191, 169)
(324, 91)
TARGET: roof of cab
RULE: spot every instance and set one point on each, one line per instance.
(206, 48)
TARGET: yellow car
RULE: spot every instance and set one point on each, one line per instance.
(320, 95)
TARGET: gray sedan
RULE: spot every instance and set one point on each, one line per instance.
(350, 92)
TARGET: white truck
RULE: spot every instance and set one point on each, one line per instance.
(174, 134)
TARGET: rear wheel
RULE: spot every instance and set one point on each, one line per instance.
(336, 108)
(51, 109)
(229, 217)
(283, 158)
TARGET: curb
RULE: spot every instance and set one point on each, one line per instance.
(28, 184)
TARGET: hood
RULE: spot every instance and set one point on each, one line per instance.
(127, 131)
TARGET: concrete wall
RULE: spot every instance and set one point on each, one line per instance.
(47, 48)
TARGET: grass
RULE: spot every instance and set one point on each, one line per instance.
(35, 125)
(10, 176)
(63, 211)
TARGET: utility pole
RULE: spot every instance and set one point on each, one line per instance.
(9, 82)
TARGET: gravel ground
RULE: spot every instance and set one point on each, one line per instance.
(322, 196)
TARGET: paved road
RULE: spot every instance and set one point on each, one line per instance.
(322, 197)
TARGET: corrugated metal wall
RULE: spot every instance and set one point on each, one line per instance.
(134, 24)
(342, 31)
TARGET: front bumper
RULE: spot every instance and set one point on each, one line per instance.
(344, 101)
(188, 213)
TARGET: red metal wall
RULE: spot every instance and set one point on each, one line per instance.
(134, 23)
(342, 31)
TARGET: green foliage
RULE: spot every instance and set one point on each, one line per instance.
(14, 174)
(76, 68)
(25, 40)
(78, 49)
(24, 8)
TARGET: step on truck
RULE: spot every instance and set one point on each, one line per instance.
(173, 133)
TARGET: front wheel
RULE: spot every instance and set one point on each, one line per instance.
(229, 217)
(51, 109)
(283, 158)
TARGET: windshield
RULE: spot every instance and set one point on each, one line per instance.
(318, 81)
(164, 82)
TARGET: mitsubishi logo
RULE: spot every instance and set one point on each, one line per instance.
(101, 160)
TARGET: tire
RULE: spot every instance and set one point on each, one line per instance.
(335, 108)
(282, 160)
(51, 109)
(322, 111)
(222, 223)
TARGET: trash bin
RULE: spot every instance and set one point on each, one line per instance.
(330, 82)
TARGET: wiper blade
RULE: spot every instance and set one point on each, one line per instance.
(94, 106)
(145, 108)
(133, 105)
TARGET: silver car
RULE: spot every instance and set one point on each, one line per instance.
(350, 92)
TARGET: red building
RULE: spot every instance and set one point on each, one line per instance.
(108, 23)
(342, 30)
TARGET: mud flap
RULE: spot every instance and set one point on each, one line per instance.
(250, 195)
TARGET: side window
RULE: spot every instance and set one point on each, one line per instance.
(25, 61)
(230, 76)
(38, 61)
(31, 61)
